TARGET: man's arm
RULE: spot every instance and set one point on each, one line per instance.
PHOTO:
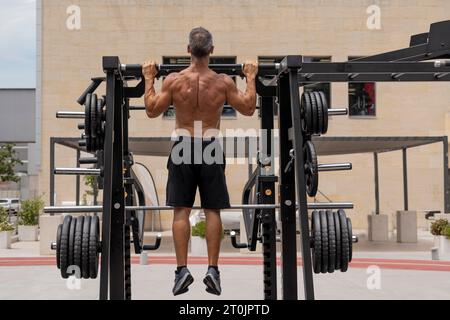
(243, 102)
(156, 103)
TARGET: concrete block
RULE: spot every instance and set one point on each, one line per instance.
(49, 226)
(378, 227)
(407, 226)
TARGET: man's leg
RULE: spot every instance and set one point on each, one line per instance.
(181, 234)
(213, 236)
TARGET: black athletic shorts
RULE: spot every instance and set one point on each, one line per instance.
(197, 163)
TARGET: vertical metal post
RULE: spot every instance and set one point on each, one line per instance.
(405, 179)
(267, 180)
(298, 140)
(287, 197)
(377, 185)
(77, 190)
(52, 171)
(446, 177)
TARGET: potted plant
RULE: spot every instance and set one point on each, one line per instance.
(444, 245)
(198, 242)
(29, 219)
(6, 230)
(437, 230)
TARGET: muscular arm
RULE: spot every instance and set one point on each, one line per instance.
(243, 102)
(158, 103)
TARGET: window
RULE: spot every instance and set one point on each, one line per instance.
(362, 98)
(324, 87)
(228, 111)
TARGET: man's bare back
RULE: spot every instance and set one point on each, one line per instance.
(198, 96)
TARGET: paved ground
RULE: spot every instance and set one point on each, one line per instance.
(397, 272)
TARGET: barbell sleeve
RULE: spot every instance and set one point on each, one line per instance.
(77, 172)
(338, 112)
(335, 167)
(442, 63)
(70, 115)
(87, 209)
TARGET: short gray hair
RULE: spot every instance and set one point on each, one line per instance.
(200, 42)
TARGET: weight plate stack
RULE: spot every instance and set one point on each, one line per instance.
(311, 169)
(319, 112)
(316, 237)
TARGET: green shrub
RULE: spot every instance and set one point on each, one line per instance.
(446, 232)
(438, 226)
(8, 161)
(4, 216)
(199, 230)
(6, 226)
(30, 211)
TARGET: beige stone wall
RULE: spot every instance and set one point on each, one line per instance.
(137, 30)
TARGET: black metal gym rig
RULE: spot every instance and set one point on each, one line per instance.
(328, 247)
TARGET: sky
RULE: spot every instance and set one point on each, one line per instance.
(18, 44)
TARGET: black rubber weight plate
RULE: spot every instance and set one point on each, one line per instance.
(324, 232)
(73, 224)
(77, 245)
(85, 248)
(87, 121)
(64, 246)
(315, 127)
(312, 174)
(337, 227)
(317, 242)
(350, 239)
(325, 111)
(58, 246)
(344, 238)
(308, 114)
(331, 242)
(93, 247)
(319, 112)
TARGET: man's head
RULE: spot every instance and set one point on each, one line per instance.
(200, 43)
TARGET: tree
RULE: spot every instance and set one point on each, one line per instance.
(8, 161)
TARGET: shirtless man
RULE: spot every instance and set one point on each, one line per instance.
(198, 94)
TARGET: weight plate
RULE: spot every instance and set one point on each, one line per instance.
(94, 238)
(315, 124)
(100, 132)
(308, 114)
(337, 227)
(64, 246)
(77, 244)
(58, 246)
(317, 242)
(311, 169)
(350, 239)
(93, 119)
(87, 121)
(325, 111)
(325, 245)
(319, 108)
(72, 241)
(331, 242)
(85, 248)
(344, 239)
